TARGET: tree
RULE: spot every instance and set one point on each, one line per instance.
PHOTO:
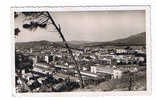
(41, 20)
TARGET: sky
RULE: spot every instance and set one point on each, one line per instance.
(95, 26)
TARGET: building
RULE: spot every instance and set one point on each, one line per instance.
(43, 68)
(121, 51)
(102, 69)
(35, 60)
(34, 50)
(117, 74)
(47, 59)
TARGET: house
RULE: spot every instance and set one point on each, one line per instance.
(35, 60)
(105, 61)
(34, 50)
(121, 51)
(117, 74)
(48, 58)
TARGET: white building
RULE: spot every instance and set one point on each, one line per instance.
(35, 60)
(117, 74)
(102, 69)
(93, 69)
(47, 59)
(121, 51)
(43, 68)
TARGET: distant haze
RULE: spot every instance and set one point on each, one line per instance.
(87, 26)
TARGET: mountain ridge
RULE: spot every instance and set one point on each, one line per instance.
(138, 39)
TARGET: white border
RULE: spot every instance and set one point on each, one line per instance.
(87, 8)
(80, 8)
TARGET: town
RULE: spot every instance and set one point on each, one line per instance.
(50, 68)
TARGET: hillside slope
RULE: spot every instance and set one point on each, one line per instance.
(134, 39)
(138, 39)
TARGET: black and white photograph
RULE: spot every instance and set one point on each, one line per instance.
(80, 49)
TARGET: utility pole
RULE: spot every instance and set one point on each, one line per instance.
(68, 48)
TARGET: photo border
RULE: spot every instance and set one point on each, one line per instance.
(147, 9)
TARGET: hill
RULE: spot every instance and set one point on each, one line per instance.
(35, 44)
(134, 40)
(138, 39)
